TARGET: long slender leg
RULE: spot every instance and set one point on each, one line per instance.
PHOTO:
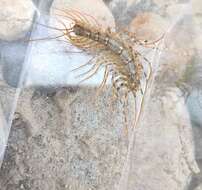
(69, 14)
(66, 16)
(83, 65)
(149, 64)
(125, 112)
(82, 15)
(102, 85)
(83, 42)
(115, 94)
(88, 77)
(41, 39)
(86, 43)
(87, 72)
(93, 19)
(78, 16)
(51, 27)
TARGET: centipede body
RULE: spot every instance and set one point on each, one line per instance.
(110, 49)
(125, 64)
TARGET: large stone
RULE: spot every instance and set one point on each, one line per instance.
(61, 140)
(197, 12)
(199, 187)
(149, 26)
(15, 18)
(98, 10)
(161, 154)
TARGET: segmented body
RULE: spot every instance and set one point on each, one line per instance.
(115, 51)
(123, 62)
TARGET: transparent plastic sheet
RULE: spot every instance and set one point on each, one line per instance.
(54, 72)
(8, 99)
(131, 177)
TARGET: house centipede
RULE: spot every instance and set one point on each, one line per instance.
(110, 50)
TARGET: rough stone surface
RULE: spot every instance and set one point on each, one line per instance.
(15, 18)
(61, 140)
(171, 138)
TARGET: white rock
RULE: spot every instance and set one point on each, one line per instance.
(15, 18)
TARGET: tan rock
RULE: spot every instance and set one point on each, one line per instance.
(198, 42)
(95, 8)
(197, 12)
(15, 18)
(199, 187)
(162, 3)
(196, 6)
(162, 154)
(130, 2)
(148, 26)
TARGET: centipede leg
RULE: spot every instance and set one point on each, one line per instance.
(115, 94)
(86, 19)
(83, 65)
(95, 21)
(87, 44)
(149, 64)
(82, 42)
(87, 72)
(82, 15)
(125, 112)
(135, 107)
(69, 14)
(102, 85)
(88, 77)
(75, 15)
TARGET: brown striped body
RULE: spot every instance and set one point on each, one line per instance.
(126, 69)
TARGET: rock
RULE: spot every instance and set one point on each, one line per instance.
(12, 59)
(15, 18)
(99, 10)
(198, 41)
(163, 4)
(64, 140)
(125, 11)
(130, 2)
(197, 10)
(196, 6)
(167, 159)
(148, 26)
(199, 187)
(175, 11)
